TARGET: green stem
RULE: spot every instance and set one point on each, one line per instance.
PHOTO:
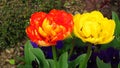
(71, 51)
(84, 64)
(54, 56)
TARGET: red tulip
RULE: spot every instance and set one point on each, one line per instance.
(46, 29)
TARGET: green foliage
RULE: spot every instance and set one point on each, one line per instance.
(68, 45)
(29, 56)
(51, 63)
(43, 63)
(79, 42)
(14, 17)
(63, 61)
(77, 61)
(85, 61)
(101, 64)
(119, 65)
(32, 54)
(117, 22)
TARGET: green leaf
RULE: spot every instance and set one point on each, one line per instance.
(68, 44)
(21, 58)
(40, 56)
(51, 63)
(29, 57)
(117, 22)
(101, 64)
(24, 66)
(77, 61)
(12, 61)
(20, 66)
(119, 65)
(79, 42)
(83, 64)
(63, 61)
(117, 30)
(27, 66)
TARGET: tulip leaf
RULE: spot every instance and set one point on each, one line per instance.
(51, 63)
(29, 57)
(67, 44)
(27, 66)
(78, 42)
(117, 22)
(24, 66)
(83, 64)
(40, 56)
(77, 61)
(20, 66)
(63, 61)
(119, 65)
(117, 29)
(101, 64)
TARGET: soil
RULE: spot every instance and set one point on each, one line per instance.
(72, 6)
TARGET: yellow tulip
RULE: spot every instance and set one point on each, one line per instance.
(94, 28)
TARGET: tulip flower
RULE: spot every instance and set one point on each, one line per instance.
(94, 28)
(46, 29)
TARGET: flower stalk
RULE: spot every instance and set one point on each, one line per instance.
(54, 56)
(71, 51)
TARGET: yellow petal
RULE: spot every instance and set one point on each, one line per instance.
(77, 22)
(98, 15)
(106, 40)
(86, 29)
(43, 43)
(46, 27)
(41, 32)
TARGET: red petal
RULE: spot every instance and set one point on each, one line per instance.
(37, 18)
